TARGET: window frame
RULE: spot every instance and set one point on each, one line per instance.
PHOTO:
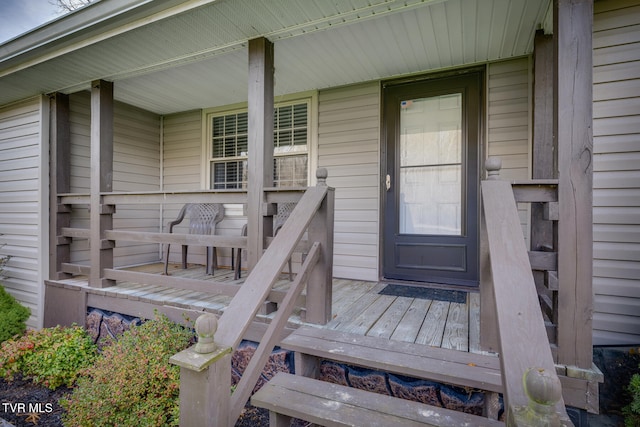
(309, 97)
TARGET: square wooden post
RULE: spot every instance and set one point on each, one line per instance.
(101, 216)
(205, 378)
(205, 387)
(489, 340)
(60, 182)
(544, 166)
(573, 87)
(320, 284)
(544, 144)
(260, 158)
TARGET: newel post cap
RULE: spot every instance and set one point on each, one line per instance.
(321, 176)
(493, 165)
(206, 326)
(542, 387)
(544, 391)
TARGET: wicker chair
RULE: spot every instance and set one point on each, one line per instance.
(203, 218)
(284, 211)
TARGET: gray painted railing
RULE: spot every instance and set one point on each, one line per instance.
(532, 390)
(206, 376)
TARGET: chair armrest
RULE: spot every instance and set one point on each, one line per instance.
(179, 219)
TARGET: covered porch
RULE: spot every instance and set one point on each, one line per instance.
(357, 57)
(354, 308)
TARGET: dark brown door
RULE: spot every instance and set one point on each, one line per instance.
(432, 136)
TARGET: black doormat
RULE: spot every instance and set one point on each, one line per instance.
(425, 293)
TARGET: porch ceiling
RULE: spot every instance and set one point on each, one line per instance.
(193, 54)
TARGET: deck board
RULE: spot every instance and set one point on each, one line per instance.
(349, 294)
(456, 329)
(387, 323)
(474, 322)
(410, 324)
(433, 325)
(363, 324)
(352, 311)
(357, 308)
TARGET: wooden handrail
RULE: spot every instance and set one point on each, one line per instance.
(178, 238)
(206, 376)
(239, 314)
(272, 195)
(522, 338)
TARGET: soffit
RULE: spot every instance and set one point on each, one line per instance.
(198, 58)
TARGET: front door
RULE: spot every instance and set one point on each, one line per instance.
(432, 138)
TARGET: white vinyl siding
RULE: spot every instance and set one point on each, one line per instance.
(616, 178)
(348, 146)
(182, 163)
(23, 203)
(136, 167)
(182, 151)
(508, 122)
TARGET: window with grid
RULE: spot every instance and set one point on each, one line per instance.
(229, 145)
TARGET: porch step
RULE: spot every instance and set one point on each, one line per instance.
(412, 360)
(291, 396)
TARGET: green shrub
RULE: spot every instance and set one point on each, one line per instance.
(632, 411)
(52, 357)
(132, 382)
(12, 316)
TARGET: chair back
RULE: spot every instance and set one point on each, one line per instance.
(203, 217)
(284, 211)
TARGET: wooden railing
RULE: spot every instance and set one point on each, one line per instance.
(206, 374)
(532, 389)
(101, 260)
(100, 269)
(542, 195)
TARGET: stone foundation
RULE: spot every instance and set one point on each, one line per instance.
(105, 326)
(279, 361)
(428, 392)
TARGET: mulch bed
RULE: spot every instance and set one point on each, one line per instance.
(22, 391)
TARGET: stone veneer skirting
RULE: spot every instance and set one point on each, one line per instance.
(428, 392)
(105, 326)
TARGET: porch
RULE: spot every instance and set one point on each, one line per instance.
(350, 310)
(358, 307)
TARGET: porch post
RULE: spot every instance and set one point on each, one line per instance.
(60, 182)
(544, 150)
(544, 235)
(260, 159)
(573, 26)
(101, 216)
(320, 284)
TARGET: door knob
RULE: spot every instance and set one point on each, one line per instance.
(388, 182)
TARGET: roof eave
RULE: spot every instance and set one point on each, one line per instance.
(91, 24)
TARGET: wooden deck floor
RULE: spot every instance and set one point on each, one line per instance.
(358, 308)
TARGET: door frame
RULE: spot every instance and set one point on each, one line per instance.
(480, 71)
